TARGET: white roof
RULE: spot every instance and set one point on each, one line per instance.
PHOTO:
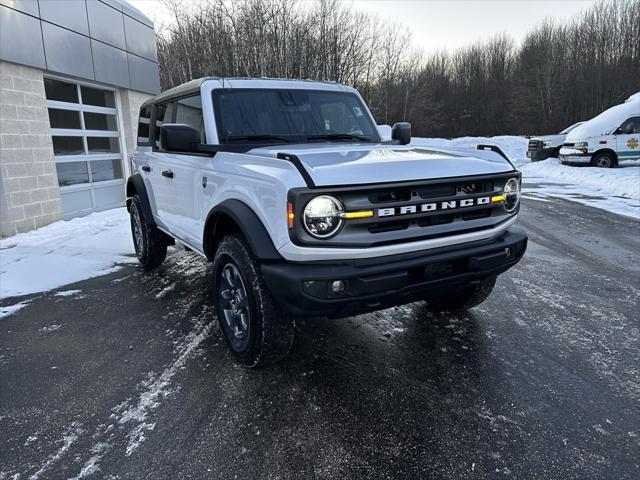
(607, 121)
(245, 82)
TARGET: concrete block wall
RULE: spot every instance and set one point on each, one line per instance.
(130, 102)
(29, 193)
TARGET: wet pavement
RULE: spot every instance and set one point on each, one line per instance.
(126, 376)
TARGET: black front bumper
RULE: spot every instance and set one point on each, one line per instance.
(541, 154)
(376, 283)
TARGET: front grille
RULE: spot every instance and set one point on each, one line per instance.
(535, 145)
(404, 212)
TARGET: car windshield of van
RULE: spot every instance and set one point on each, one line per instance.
(291, 116)
(568, 129)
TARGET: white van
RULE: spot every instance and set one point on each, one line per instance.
(611, 137)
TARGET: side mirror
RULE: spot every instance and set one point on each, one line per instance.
(401, 132)
(177, 137)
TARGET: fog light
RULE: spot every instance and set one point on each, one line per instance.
(337, 287)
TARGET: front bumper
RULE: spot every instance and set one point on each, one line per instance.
(569, 155)
(540, 154)
(376, 283)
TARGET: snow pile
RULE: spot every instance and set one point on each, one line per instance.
(514, 147)
(65, 252)
(623, 181)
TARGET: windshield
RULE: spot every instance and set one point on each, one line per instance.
(568, 129)
(291, 116)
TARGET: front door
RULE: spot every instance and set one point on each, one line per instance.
(176, 176)
(628, 139)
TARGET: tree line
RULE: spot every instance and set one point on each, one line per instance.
(561, 73)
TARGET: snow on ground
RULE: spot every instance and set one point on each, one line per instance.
(64, 253)
(616, 190)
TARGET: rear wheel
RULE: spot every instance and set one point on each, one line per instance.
(603, 160)
(464, 298)
(150, 243)
(257, 331)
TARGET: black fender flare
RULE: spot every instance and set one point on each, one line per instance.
(135, 185)
(250, 225)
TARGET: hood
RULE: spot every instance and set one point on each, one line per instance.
(334, 164)
(556, 139)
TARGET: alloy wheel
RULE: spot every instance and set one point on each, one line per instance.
(235, 306)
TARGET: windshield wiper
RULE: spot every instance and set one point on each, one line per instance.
(339, 136)
(273, 138)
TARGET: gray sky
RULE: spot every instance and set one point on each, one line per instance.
(441, 24)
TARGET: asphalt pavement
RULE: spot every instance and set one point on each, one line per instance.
(126, 376)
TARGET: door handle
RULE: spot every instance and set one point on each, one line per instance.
(167, 173)
(146, 168)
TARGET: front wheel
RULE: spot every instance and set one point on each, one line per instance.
(465, 297)
(257, 331)
(603, 160)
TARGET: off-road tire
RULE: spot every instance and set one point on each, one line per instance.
(271, 331)
(151, 250)
(464, 298)
(603, 160)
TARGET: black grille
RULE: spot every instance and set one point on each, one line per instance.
(394, 219)
(535, 145)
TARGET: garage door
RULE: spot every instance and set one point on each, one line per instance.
(86, 146)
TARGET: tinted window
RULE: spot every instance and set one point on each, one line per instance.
(103, 145)
(99, 98)
(67, 146)
(295, 115)
(102, 170)
(143, 125)
(71, 173)
(189, 112)
(164, 114)
(64, 118)
(60, 91)
(99, 121)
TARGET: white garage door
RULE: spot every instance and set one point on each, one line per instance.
(86, 146)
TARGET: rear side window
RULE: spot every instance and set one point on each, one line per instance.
(144, 122)
(189, 112)
(163, 114)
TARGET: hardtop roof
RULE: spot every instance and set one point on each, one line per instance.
(193, 86)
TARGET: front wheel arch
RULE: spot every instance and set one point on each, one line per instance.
(604, 151)
(236, 217)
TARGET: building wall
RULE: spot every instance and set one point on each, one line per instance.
(29, 194)
(130, 102)
(106, 41)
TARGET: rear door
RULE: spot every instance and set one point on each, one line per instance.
(157, 164)
(628, 139)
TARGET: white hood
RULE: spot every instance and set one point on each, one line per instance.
(353, 164)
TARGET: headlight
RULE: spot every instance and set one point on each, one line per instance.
(323, 216)
(581, 144)
(546, 144)
(511, 194)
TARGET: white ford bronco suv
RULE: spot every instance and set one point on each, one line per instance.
(287, 187)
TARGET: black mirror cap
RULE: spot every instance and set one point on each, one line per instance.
(401, 132)
(177, 137)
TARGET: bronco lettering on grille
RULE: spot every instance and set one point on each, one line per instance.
(433, 207)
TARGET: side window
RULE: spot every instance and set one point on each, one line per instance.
(163, 114)
(189, 112)
(630, 126)
(144, 122)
